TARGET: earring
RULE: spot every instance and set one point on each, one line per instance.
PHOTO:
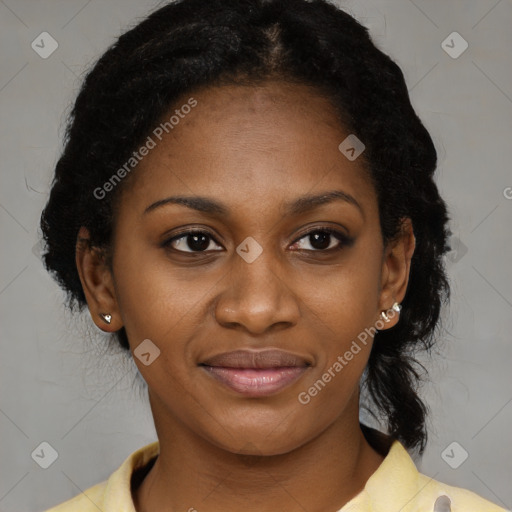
(106, 317)
(395, 307)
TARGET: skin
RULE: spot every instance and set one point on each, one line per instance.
(254, 149)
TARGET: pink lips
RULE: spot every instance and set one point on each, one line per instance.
(256, 373)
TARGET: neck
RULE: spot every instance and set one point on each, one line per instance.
(193, 474)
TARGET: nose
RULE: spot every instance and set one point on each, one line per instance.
(258, 296)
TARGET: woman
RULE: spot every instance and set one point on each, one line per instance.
(246, 202)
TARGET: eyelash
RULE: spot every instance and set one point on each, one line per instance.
(342, 238)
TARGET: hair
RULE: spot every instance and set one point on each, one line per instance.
(190, 44)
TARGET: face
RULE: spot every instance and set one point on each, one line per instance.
(257, 294)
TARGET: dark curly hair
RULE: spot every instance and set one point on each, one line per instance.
(190, 44)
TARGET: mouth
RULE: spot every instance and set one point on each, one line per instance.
(256, 373)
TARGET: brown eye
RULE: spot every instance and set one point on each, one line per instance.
(322, 240)
(191, 241)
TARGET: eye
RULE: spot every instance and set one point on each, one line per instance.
(322, 239)
(319, 239)
(191, 241)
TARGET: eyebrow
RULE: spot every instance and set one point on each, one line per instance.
(295, 207)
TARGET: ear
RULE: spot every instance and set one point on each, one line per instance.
(396, 266)
(97, 283)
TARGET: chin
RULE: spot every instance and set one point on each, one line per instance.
(274, 436)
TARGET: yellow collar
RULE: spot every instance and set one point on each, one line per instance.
(396, 486)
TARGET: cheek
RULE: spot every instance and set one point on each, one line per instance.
(168, 306)
(346, 297)
(155, 298)
(344, 307)
(157, 306)
(342, 354)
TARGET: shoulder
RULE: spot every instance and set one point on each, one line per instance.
(114, 494)
(439, 497)
(89, 501)
(397, 485)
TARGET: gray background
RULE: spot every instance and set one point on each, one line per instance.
(59, 382)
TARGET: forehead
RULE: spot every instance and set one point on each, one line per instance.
(250, 145)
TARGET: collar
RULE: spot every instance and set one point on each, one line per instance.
(391, 487)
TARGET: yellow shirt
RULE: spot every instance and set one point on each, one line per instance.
(395, 486)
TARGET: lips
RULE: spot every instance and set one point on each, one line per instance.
(256, 373)
(256, 359)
